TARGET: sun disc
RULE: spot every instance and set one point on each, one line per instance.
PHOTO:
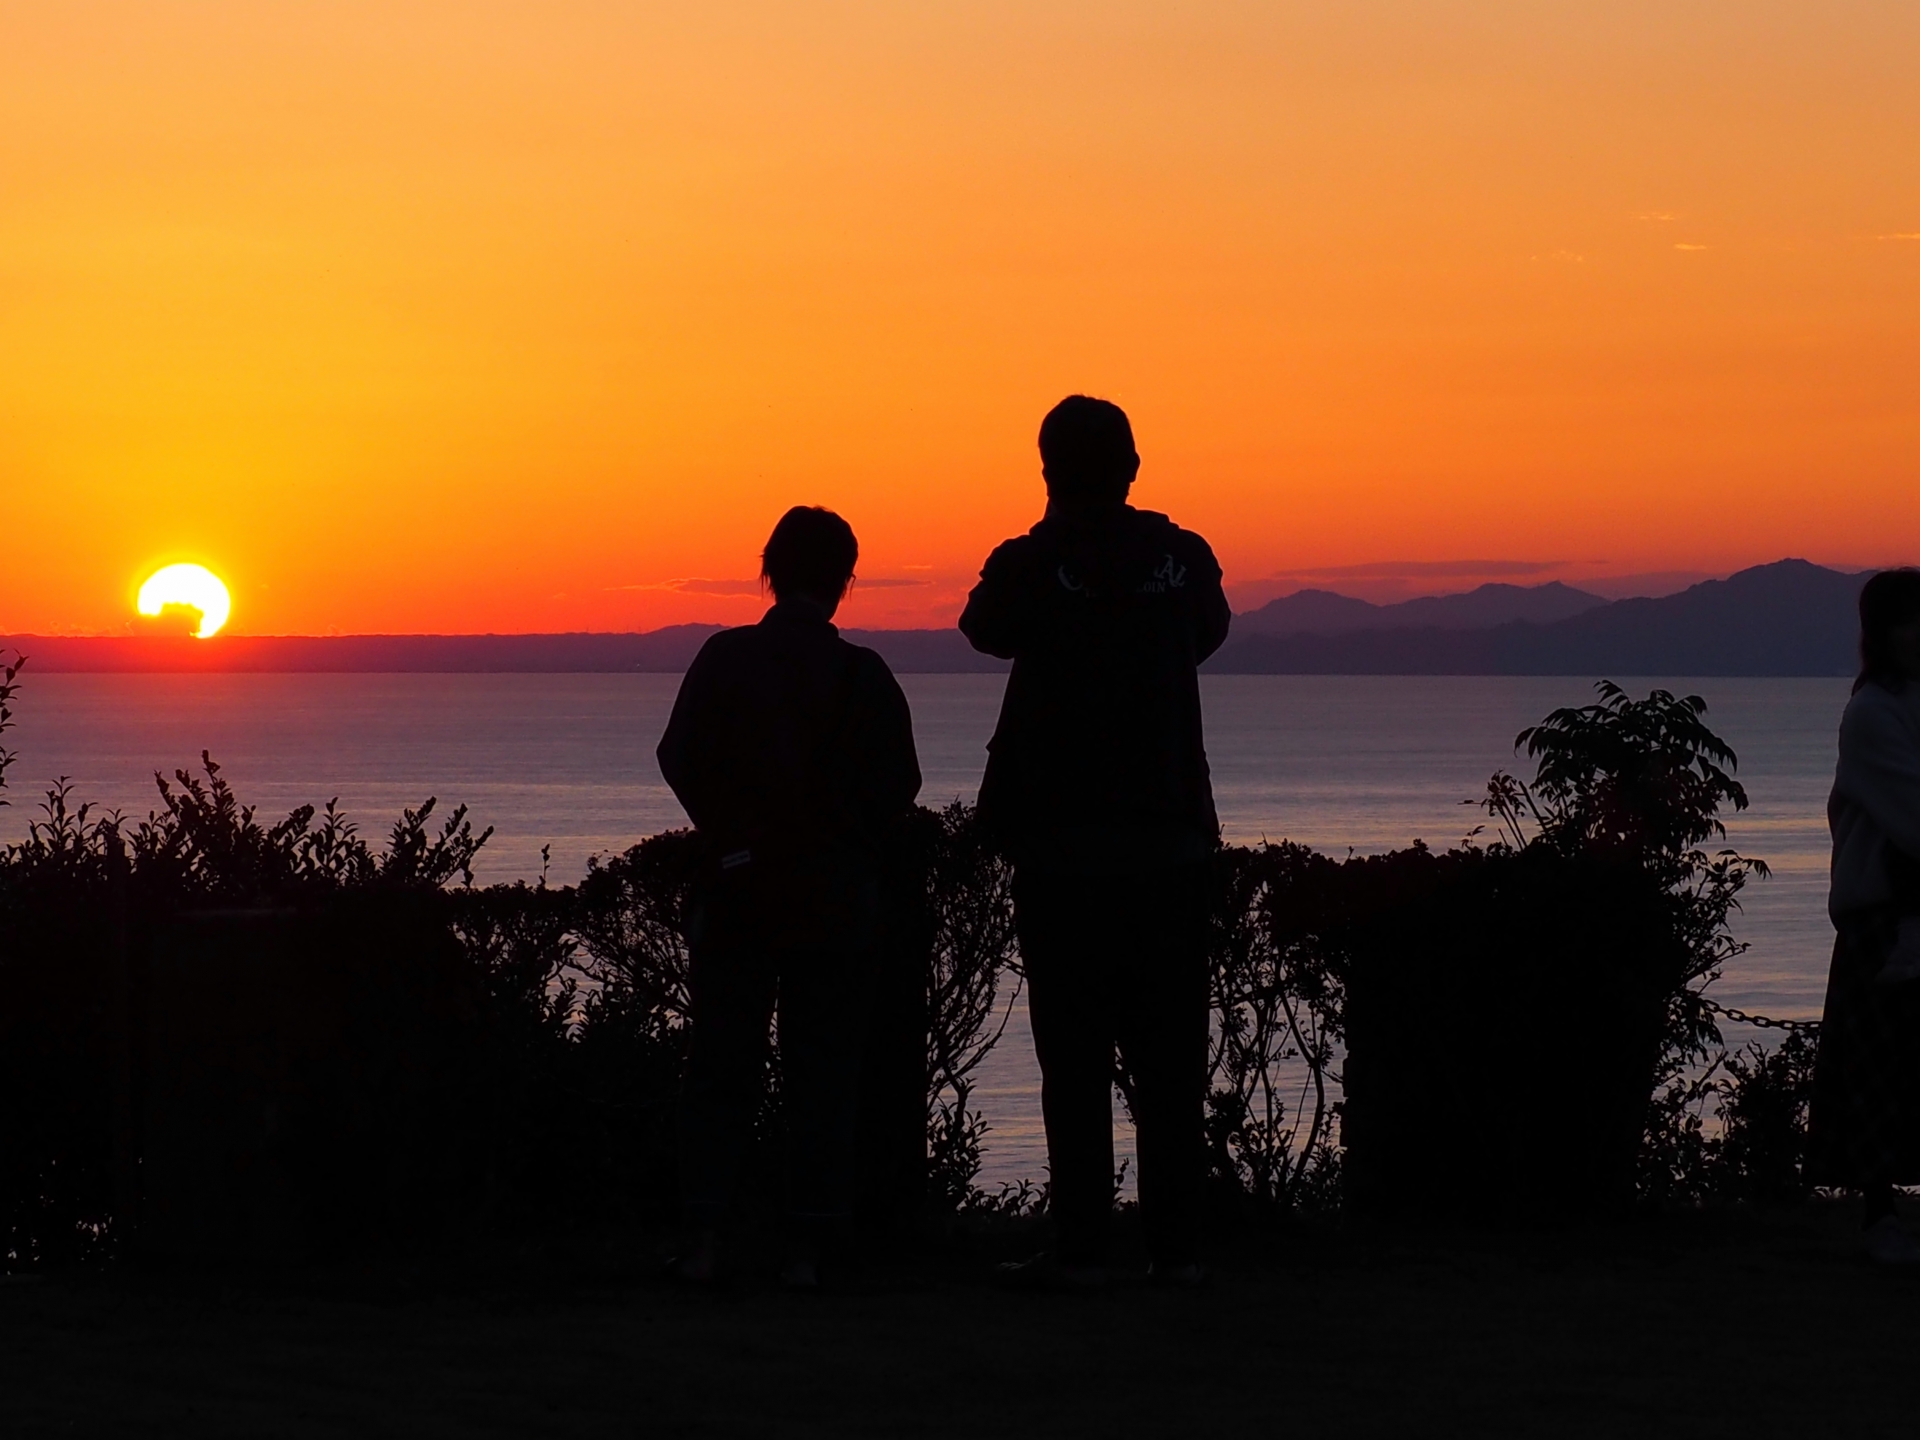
(192, 585)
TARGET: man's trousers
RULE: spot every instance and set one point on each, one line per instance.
(1118, 963)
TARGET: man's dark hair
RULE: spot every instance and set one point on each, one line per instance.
(1086, 450)
(1887, 601)
(811, 552)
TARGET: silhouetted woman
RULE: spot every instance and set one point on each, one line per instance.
(792, 750)
(1866, 1103)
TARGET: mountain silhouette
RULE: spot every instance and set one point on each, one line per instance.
(1787, 618)
(1322, 612)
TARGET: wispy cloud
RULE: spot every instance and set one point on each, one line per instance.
(700, 585)
(696, 585)
(1900, 235)
(1411, 569)
(1654, 215)
(1682, 245)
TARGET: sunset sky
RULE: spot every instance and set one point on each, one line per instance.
(465, 316)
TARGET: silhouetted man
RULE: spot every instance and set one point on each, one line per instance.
(1097, 788)
(792, 751)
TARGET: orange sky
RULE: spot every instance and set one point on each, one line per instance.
(469, 316)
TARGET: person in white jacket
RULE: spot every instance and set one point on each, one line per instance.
(1865, 1131)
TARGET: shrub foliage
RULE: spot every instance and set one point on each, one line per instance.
(484, 1059)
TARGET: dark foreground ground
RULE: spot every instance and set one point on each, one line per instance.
(1732, 1324)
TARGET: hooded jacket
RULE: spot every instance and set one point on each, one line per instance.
(1099, 761)
(1874, 810)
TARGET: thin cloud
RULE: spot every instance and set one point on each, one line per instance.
(1682, 245)
(697, 585)
(1421, 569)
(1900, 235)
(1654, 215)
(700, 585)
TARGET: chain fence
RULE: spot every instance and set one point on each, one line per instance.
(1764, 1022)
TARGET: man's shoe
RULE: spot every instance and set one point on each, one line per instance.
(1046, 1272)
(1179, 1277)
(1888, 1242)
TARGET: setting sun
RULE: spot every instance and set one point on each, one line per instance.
(193, 586)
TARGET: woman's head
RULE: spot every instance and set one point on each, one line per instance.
(1890, 628)
(811, 553)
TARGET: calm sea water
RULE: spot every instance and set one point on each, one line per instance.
(1337, 762)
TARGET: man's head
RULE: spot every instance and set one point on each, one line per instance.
(811, 553)
(1086, 450)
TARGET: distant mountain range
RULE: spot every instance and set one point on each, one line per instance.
(1321, 612)
(1787, 618)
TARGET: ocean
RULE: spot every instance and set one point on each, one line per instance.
(1366, 763)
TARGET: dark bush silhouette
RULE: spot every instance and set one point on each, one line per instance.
(105, 928)
(1278, 993)
(1504, 1015)
(9, 683)
(965, 896)
(1579, 941)
(1761, 1151)
(223, 1039)
(276, 1039)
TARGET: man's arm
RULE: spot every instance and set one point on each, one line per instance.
(1212, 614)
(995, 619)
